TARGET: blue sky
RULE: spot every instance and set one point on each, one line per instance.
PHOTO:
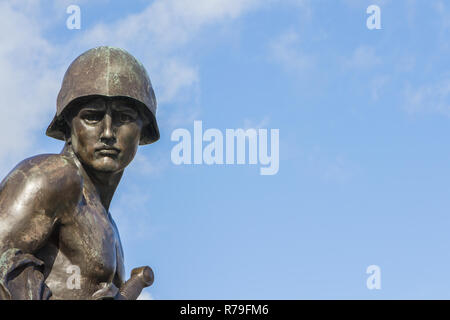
(364, 117)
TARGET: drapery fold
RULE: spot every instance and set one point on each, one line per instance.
(21, 277)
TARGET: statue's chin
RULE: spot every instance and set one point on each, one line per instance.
(106, 164)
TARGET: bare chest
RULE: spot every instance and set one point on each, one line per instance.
(89, 243)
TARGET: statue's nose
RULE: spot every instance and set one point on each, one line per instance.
(108, 130)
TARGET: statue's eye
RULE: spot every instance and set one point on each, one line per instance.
(93, 116)
(124, 117)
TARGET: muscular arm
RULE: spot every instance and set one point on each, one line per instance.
(31, 198)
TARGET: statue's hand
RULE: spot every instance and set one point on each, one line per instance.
(109, 291)
(141, 278)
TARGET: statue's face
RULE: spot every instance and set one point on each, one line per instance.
(105, 133)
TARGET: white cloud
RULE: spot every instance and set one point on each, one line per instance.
(331, 167)
(444, 14)
(377, 84)
(177, 75)
(28, 82)
(363, 57)
(132, 210)
(159, 32)
(252, 124)
(286, 50)
(148, 165)
(359, 4)
(431, 98)
(338, 170)
(305, 6)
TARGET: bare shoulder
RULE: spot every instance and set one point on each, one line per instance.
(33, 197)
(54, 168)
(55, 173)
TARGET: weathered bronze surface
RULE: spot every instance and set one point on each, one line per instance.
(54, 208)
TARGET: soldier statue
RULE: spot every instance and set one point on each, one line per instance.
(54, 208)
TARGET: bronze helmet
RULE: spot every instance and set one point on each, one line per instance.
(111, 72)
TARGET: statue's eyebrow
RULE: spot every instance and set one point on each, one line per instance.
(124, 107)
(93, 106)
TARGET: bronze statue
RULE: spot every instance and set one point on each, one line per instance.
(54, 208)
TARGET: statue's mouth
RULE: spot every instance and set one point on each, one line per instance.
(108, 151)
